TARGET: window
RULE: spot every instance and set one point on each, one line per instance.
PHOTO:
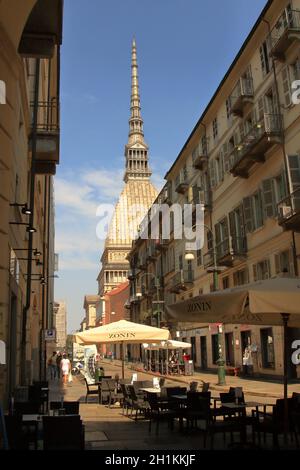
(215, 129)
(214, 348)
(267, 348)
(279, 184)
(257, 210)
(294, 164)
(284, 262)
(199, 258)
(240, 277)
(295, 69)
(268, 198)
(212, 173)
(286, 84)
(225, 282)
(180, 262)
(264, 58)
(14, 266)
(228, 109)
(261, 270)
(219, 168)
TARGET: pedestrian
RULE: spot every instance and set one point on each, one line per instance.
(58, 360)
(65, 367)
(52, 365)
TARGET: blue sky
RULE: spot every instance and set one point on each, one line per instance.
(184, 49)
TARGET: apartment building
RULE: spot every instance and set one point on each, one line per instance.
(30, 38)
(242, 162)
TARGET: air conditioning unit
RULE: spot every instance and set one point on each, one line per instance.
(285, 211)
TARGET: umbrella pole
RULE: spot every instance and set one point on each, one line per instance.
(285, 318)
(122, 357)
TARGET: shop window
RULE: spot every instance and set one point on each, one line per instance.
(267, 348)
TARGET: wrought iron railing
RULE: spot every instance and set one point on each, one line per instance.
(182, 277)
(289, 206)
(47, 116)
(289, 19)
(244, 87)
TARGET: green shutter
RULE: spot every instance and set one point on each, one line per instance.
(286, 85)
(268, 198)
(212, 173)
(277, 264)
(248, 214)
(294, 162)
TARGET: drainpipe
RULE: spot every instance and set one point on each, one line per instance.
(31, 221)
(285, 157)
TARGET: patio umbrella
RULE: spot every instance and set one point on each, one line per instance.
(268, 302)
(123, 332)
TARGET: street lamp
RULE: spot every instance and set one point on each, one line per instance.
(215, 269)
(158, 301)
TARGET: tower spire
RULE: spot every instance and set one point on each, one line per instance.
(136, 150)
(135, 121)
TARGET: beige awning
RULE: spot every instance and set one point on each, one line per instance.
(260, 303)
(122, 331)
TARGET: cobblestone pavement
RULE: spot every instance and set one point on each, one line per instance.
(107, 428)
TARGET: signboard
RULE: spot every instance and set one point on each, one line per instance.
(49, 335)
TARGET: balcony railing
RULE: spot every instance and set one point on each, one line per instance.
(228, 252)
(241, 95)
(289, 211)
(286, 30)
(161, 244)
(261, 137)
(200, 159)
(47, 136)
(181, 184)
(131, 275)
(182, 280)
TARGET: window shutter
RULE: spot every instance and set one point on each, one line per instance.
(277, 264)
(267, 269)
(232, 225)
(291, 261)
(286, 85)
(262, 60)
(294, 163)
(268, 198)
(241, 131)
(260, 109)
(254, 272)
(212, 173)
(195, 194)
(248, 217)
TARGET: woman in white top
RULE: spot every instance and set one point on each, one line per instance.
(65, 366)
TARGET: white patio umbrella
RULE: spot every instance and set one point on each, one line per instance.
(123, 332)
(269, 302)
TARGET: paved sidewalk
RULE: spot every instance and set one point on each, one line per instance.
(256, 387)
(108, 429)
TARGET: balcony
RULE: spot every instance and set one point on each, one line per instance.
(151, 251)
(229, 252)
(263, 136)
(134, 300)
(202, 197)
(161, 244)
(181, 184)
(286, 31)
(241, 96)
(200, 161)
(142, 264)
(47, 137)
(182, 280)
(289, 212)
(166, 196)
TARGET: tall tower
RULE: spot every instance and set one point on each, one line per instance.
(136, 197)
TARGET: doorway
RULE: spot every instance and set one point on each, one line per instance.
(12, 354)
(229, 349)
(193, 350)
(245, 341)
(203, 349)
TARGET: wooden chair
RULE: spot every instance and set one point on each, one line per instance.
(91, 389)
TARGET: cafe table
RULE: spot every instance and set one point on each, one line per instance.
(150, 390)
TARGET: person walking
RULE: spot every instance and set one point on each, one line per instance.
(65, 367)
(52, 365)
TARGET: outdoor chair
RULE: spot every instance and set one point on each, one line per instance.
(36, 394)
(195, 406)
(193, 386)
(205, 386)
(138, 404)
(26, 408)
(107, 387)
(158, 413)
(63, 433)
(70, 407)
(91, 389)
(162, 382)
(273, 423)
(126, 402)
